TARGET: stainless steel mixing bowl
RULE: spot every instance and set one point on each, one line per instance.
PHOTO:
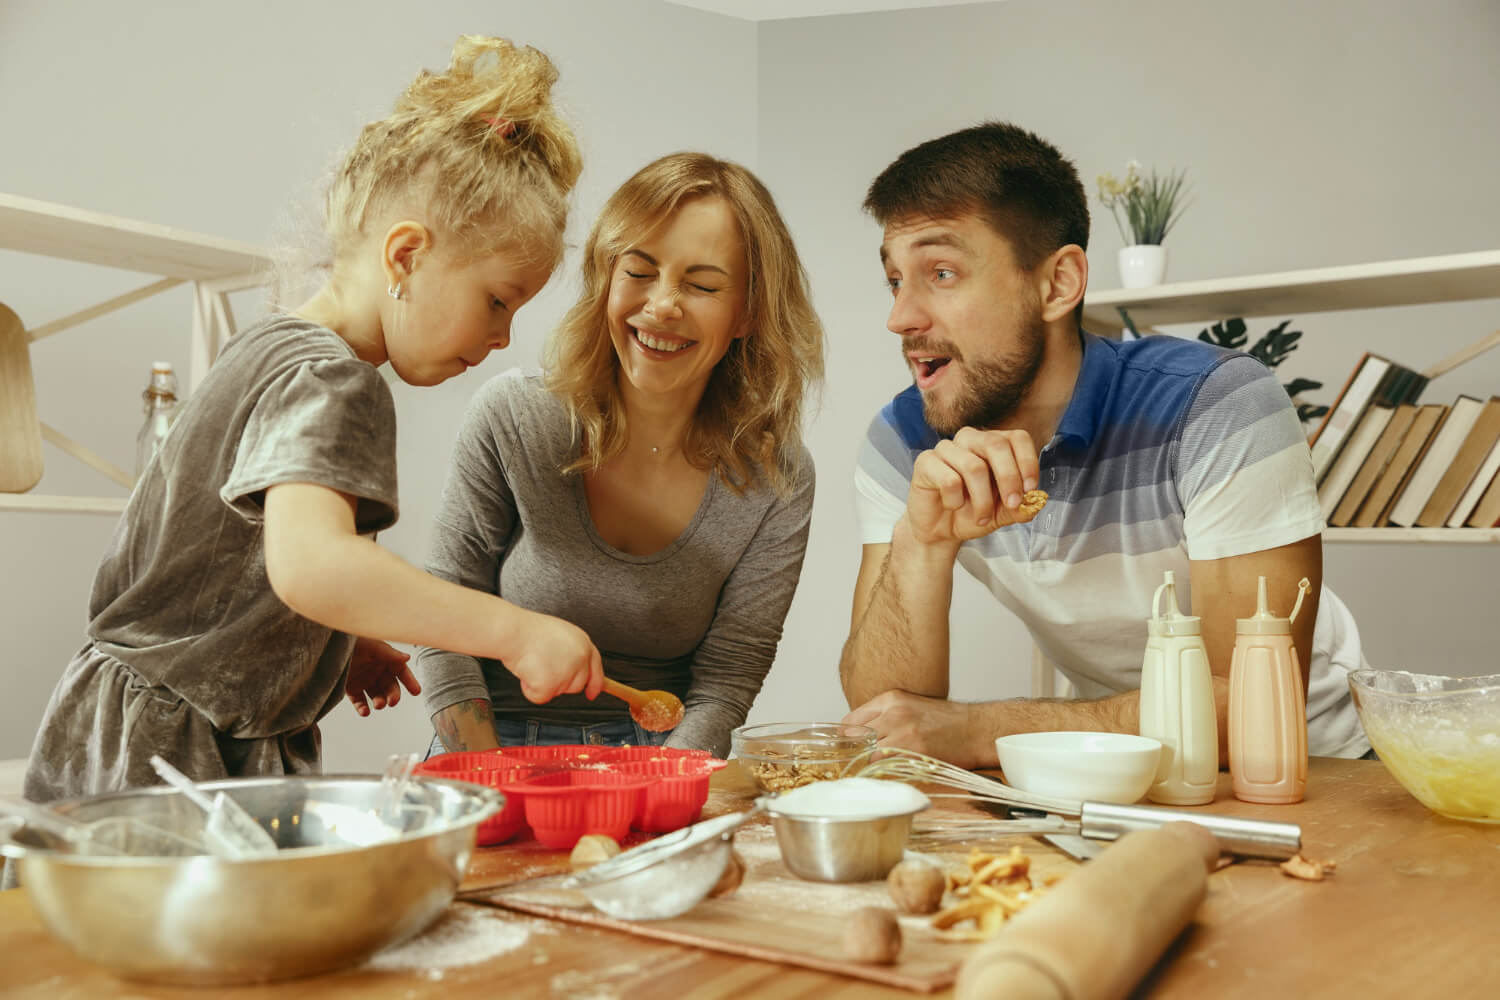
(321, 903)
(841, 848)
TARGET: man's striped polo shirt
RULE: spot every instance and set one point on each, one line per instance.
(1169, 451)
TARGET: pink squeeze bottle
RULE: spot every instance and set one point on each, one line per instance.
(1267, 707)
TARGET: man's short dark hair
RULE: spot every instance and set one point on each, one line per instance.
(1018, 182)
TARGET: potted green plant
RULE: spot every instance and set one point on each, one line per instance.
(1145, 206)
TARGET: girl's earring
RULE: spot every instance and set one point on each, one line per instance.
(394, 291)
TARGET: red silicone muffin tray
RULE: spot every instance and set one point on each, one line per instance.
(565, 792)
(491, 769)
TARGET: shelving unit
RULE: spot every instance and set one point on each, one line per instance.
(1418, 281)
(215, 267)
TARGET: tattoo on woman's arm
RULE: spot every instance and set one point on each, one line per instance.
(449, 722)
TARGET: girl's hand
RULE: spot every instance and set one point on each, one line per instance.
(378, 671)
(552, 657)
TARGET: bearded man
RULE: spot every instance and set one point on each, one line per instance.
(1154, 454)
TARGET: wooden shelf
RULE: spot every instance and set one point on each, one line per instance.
(61, 505)
(41, 227)
(1446, 536)
(1418, 281)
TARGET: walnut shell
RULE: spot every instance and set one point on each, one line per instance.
(591, 849)
(734, 874)
(917, 886)
(872, 935)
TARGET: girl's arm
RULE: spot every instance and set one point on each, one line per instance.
(324, 570)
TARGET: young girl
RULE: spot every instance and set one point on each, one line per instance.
(223, 618)
(654, 488)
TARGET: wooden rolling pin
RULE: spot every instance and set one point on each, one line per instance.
(1100, 929)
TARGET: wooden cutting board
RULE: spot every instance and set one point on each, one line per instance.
(20, 430)
(777, 917)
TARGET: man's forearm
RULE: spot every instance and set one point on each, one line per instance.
(901, 641)
(466, 725)
(1119, 713)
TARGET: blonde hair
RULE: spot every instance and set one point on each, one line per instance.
(480, 147)
(749, 420)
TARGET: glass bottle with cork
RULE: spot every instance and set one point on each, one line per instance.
(161, 409)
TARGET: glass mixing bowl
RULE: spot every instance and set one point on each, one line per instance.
(784, 755)
(1438, 736)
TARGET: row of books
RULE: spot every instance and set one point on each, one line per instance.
(1381, 457)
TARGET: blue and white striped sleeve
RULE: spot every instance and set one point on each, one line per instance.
(882, 478)
(1244, 472)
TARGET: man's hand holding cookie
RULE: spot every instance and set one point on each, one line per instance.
(967, 487)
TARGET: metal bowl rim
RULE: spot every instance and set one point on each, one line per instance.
(11, 848)
(836, 820)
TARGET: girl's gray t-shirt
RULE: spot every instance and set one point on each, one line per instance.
(182, 596)
(700, 618)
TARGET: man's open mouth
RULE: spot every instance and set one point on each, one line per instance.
(929, 366)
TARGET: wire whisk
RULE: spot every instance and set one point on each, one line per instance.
(908, 765)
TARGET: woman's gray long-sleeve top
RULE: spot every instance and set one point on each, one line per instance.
(700, 618)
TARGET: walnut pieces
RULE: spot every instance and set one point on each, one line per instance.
(790, 760)
(872, 935)
(774, 777)
(591, 849)
(917, 886)
(1032, 502)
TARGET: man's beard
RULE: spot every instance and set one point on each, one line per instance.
(992, 390)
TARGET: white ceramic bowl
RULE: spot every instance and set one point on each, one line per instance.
(1083, 767)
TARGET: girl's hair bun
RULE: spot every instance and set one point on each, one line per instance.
(480, 146)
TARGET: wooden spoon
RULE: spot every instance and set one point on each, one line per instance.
(20, 430)
(657, 711)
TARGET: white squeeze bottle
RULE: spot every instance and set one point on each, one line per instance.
(1177, 704)
(1267, 707)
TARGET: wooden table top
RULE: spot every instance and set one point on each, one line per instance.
(1410, 912)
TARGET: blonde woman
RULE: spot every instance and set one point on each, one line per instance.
(652, 488)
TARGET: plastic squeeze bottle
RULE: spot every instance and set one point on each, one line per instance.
(1267, 707)
(1177, 704)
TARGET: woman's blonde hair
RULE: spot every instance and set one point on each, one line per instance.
(480, 148)
(750, 417)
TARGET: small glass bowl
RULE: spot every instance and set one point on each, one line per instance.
(785, 755)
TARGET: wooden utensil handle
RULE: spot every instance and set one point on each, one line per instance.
(1095, 934)
(624, 692)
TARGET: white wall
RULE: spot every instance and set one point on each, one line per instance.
(1316, 134)
(173, 113)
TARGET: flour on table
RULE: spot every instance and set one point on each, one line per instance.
(464, 935)
(593, 984)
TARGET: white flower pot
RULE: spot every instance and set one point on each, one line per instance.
(1143, 265)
